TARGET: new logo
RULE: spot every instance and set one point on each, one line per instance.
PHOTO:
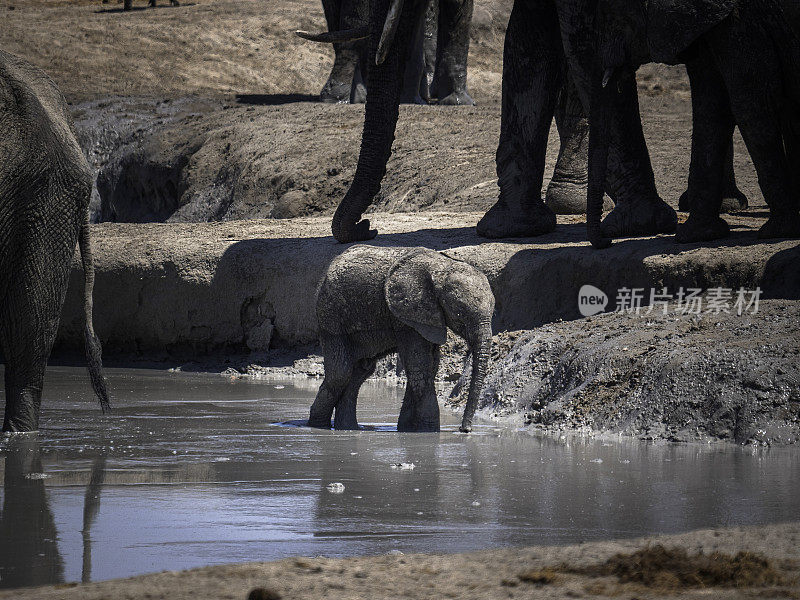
(591, 300)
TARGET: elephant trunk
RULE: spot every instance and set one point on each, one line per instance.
(384, 83)
(480, 348)
(599, 128)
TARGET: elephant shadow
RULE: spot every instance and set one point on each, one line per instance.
(541, 285)
(274, 99)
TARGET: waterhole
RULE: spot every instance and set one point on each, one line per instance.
(192, 470)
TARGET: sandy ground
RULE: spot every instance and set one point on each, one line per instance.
(250, 144)
(533, 572)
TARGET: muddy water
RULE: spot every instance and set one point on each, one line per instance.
(192, 470)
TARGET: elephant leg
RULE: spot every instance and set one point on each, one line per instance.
(415, 65)
(533, 69)
(340, 16)
(733, 198)
(429, 42)
(566, 193)
(450, 75)
(420, 411)
(127, 4)
(712, 128)
(345, 415)
(758, 106)
(27, 339)
(630, 180)
(338, 372)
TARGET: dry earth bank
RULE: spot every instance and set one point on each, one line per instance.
(533, 572)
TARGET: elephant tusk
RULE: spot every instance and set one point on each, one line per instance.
(607, 75)
(389, 31)
(335, 37)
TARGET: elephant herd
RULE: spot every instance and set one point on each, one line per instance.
(572, 60)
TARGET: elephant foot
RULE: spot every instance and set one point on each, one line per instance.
(461, 98)
(319, 423)
(636, 218)
(419, 427)
(566, 197)
(412, 99)
(502, 222)
(696, 229)
(732, 201)
(335, 93)
(784, 226)
(359, 95)
(346, 426)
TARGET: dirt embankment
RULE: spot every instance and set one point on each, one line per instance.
(676, 376)
(740, 563)
(201, 112)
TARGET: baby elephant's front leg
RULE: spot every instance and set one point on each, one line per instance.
(420, 358)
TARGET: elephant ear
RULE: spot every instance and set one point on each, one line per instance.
(412, 297)
(673, 25)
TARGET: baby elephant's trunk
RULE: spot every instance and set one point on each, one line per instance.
(480, 350)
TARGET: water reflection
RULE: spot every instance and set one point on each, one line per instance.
(28, 551)
(91, 506)
(198, 470)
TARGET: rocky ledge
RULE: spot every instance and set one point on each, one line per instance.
(185, 291)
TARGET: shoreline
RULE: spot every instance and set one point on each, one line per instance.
(489, 574)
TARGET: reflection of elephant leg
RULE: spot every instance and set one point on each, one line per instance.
(566, 194)
(712, 127)
(420, 411)
(91, 506)
(532, 76)
(345, 416)
(338, 370)
(450, 78)
(758, 112)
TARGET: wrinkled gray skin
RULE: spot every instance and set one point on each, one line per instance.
(374, 301)
(45, 186)
(437, 65)
(548, 43)
(128, 4)
(724, 43)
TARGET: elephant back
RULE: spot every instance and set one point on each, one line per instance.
(674, 25)
(351, 296)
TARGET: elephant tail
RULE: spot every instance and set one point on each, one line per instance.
(94, 352)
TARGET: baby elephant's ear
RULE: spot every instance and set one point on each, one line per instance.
(412, 297)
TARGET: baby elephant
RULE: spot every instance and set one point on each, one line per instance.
(374, 301)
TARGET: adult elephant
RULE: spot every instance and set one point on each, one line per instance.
(724, 43)
(437, 65)
(45, 186)
(545, 40)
